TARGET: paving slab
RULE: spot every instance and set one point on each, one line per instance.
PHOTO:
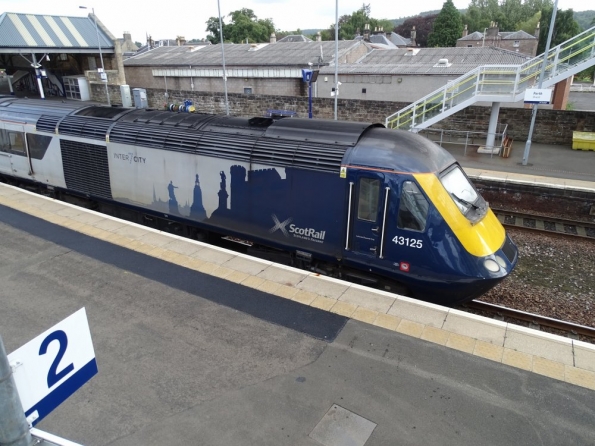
(540, 344)
(481, 328)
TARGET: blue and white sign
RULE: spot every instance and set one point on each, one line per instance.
(538, 96)
(54, 365)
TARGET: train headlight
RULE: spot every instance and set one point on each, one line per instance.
(491, 265)
(501, 262)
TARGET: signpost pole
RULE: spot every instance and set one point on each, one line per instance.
(14, 430)
(541, 75)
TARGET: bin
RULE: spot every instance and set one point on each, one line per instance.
(583, 140)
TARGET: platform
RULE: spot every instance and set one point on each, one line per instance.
(221, 348)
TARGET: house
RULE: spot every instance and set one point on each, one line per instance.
(517, 41)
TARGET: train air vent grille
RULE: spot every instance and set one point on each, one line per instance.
(86, 169)
(47, 123)
(84, 127)
(312, 156)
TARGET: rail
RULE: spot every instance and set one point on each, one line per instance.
(466, 138)
(497, 83)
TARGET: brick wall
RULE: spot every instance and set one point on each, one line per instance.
(551, 127)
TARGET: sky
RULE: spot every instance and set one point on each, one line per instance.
(169, 19)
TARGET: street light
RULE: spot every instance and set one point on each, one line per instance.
(103, 74)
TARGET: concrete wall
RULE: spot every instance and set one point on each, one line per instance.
(552, 126)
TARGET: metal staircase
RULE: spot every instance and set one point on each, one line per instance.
(497, 83)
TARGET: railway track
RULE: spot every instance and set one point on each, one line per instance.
(531, 320)
(538, 223)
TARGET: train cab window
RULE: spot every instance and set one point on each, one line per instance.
(463, 193)
(17, 143)
(369, 193)
(413, 208)
(38, 144)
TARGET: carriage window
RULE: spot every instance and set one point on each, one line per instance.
(17, 144)
(413, 209)
(38, 144)
(369, 191)
(4, 142)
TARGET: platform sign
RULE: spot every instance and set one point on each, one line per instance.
(54, 365)
(538, 96)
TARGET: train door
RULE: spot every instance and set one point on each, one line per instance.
(366, 213)
(14, 158)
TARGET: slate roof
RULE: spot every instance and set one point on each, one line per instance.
(516, 35)
(49, 33)
(399, 40)
(504, 35)
(461, 60)
(295, 38)
(244, 55)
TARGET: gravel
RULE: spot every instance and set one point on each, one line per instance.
(555, 277)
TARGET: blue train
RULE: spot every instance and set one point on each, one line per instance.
(348, 199)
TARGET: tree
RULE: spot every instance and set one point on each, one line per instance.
(448, 27)
(423, 27)
(244, 27)
(510, 15)
(565, 27)
(349, 24)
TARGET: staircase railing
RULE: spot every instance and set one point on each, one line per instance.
(497, 83)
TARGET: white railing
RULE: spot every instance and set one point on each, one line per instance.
(497, 83)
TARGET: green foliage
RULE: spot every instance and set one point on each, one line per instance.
(448, 27)
(529, 25)
(244, 27)
(565, 28)
(423, 27)
(585, 19)
(510, 15)
(350, 24)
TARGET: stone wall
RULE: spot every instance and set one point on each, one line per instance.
(551, 127)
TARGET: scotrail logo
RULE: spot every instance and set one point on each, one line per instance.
(310, 234)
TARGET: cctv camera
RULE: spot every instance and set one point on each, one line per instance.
(339, 83)
(310, 64)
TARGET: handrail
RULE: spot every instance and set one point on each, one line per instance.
(497, 83)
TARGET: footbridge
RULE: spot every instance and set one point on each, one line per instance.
(497, 83)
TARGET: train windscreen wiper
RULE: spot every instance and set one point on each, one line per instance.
(464, 202)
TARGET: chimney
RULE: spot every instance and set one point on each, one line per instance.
(367, 31)
(413, 36)
(318, 37)
(273, 38)
(127, 36)
(537, 31)
(465, 32)
(493, 30)
(181, 40)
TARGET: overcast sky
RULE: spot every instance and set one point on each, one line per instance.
(168, 19)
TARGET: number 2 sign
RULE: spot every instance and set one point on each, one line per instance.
(54, 365)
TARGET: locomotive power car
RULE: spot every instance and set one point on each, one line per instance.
(389, 208)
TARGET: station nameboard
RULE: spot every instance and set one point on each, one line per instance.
(538, 96)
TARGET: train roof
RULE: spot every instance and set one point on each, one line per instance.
(398, 151)
(315, 144)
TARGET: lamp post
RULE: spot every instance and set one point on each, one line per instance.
(103, 74)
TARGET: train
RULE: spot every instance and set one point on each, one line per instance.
(353, 200)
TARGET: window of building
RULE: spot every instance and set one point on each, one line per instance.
(469, 46)
(516, 43)
(247, 90)
(413, 208)
(369, 193)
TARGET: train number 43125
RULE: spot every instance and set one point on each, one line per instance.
(406, 241)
